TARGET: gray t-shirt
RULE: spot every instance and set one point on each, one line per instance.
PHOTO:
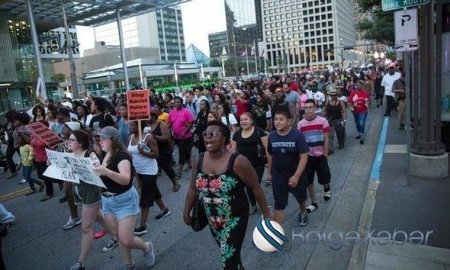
(292, 98)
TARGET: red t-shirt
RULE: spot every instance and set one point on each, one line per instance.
(358, 99)
(294, 87)
(39, 148)
(241, 107)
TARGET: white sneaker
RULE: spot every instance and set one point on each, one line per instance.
(23, 181)
(72, 223)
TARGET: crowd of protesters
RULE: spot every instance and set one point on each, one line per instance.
(282, 127)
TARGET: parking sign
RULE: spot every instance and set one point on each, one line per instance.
(406, 37)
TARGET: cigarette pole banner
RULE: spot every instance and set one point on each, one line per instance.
(67, 167)
(138, 102)
(43, 132)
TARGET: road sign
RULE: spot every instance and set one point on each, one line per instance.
(406, 37)
(400, 4)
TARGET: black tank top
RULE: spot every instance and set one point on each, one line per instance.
(334, 111)
(111, 185)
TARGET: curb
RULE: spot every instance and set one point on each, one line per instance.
(359, 252)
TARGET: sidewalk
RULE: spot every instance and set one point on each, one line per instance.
(406, 213)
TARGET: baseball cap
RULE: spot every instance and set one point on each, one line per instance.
(73, 125)
(67, 104)
(392, 66)
(109, 133)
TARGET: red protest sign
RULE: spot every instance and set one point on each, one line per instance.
(43, 132)
(138, 105)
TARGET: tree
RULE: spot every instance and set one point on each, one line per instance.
(59, 77)
(215, 63)
(379, 26)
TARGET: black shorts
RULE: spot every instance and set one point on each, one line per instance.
(281, 189)
(149, 190)
(320, 166)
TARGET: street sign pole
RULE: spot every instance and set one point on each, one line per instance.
(388, 5)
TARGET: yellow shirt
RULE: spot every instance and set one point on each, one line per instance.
(26, 154)
(163, 117)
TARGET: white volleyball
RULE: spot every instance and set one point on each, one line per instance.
(268, 235)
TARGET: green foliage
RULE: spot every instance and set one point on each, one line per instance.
(59, 77)
(380, 25)
(215, 63)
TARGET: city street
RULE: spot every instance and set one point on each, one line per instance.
(37, 240)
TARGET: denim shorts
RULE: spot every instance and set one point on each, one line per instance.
(122, 205)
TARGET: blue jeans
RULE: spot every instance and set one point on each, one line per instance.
(360, 121)
(26, 171)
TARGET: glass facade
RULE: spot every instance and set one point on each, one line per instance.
(18, 71)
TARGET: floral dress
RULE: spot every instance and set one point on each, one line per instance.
(226, 207)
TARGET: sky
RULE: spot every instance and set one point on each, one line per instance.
(196, 26)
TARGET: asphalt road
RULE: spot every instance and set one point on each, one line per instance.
(37, 240)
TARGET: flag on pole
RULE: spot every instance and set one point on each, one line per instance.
(40, 90)
(253, 50)
(244, 53)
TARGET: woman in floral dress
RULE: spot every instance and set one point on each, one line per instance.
(219, 178)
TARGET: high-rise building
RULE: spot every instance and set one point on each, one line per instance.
(217, 42)
(242, 34)
(162, 29)
(312, 33)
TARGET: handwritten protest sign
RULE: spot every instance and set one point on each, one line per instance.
(138, 105)
(59, 167)
(43, 132)
(67, 167)
(83, 169)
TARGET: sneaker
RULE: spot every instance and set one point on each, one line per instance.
(111, 244)
(361, 141)
(77, 266)
(302, 219)
(312, 207)
(163, 214)
(149, 255)
(100, 234)
(358, 137)
(140, 229)
(129, 267)
(23, 181)
(72, 223)
(327, 195)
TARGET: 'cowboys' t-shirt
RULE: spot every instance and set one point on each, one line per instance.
(285, 151)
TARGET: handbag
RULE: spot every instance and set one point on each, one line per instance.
(199, 218)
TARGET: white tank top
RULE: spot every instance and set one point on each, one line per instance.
(142, 164)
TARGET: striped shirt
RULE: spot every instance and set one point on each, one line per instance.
(313, 131)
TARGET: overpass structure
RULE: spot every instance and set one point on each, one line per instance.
(50, 14)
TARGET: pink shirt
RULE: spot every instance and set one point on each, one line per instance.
(179, 119)
(301, 101)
